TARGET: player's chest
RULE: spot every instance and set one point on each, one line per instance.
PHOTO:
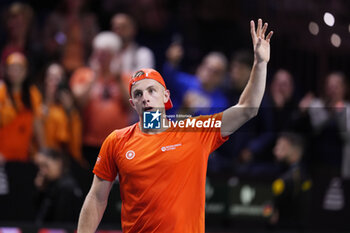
(141, 156)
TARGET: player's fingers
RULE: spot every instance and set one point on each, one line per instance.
(263, 31)
(258, 30)
(252, 31)
(268, 37)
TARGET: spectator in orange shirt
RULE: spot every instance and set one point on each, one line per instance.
(63, 127)
(162, 171)
(20, 111)
(100, 95)
(68, 34)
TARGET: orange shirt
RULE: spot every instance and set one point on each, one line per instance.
(56, 127)
(103, 115)
(106, 108)
(16, 124)
(162, 176)
(63, 129)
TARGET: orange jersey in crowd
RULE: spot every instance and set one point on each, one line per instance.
(16, 124)
(62, 129)
(162, 176)
(105, 109)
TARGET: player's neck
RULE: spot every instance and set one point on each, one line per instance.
(163, 120)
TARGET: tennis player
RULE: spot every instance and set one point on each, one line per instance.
(162, 172)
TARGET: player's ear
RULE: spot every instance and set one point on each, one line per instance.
(166, 95)
(132, 103)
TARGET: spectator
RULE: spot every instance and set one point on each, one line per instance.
(283, 100)
(250, 144)
(199, 93)
(20, 111)
(63, 127)
(68, 34)
(239, 72)
(292, 189)
(328, 118)
(59, 196)
(132, 56)
(100, 95)
(21, 35)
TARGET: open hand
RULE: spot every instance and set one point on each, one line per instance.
(261, 43)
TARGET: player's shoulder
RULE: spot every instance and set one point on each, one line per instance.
(215, 116)
(122, 134)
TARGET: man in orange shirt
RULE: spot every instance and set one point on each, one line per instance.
(162, 171)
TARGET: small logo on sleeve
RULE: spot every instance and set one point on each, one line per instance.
(130, 154)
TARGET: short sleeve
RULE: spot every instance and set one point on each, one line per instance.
(105, 166)
(210, 137)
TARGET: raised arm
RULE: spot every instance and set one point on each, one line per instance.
(94, 205)
(250, 99)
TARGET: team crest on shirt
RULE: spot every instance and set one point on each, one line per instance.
(130, 154)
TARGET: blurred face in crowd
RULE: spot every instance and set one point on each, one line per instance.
(286, 151)
(16, 72)
(103, 57)
(18, 20)
(54, 75)
(282, 149)
(148, 95)
(124, 26)
(74, 5)
(335, 88)
(282, 84)
(211, 72)
(50, 168)
(66, 98)
(239, 74)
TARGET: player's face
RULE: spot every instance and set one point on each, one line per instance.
(148, 95)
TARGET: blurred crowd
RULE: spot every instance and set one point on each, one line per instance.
(63, 89)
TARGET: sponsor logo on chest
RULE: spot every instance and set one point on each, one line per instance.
(170, 147)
